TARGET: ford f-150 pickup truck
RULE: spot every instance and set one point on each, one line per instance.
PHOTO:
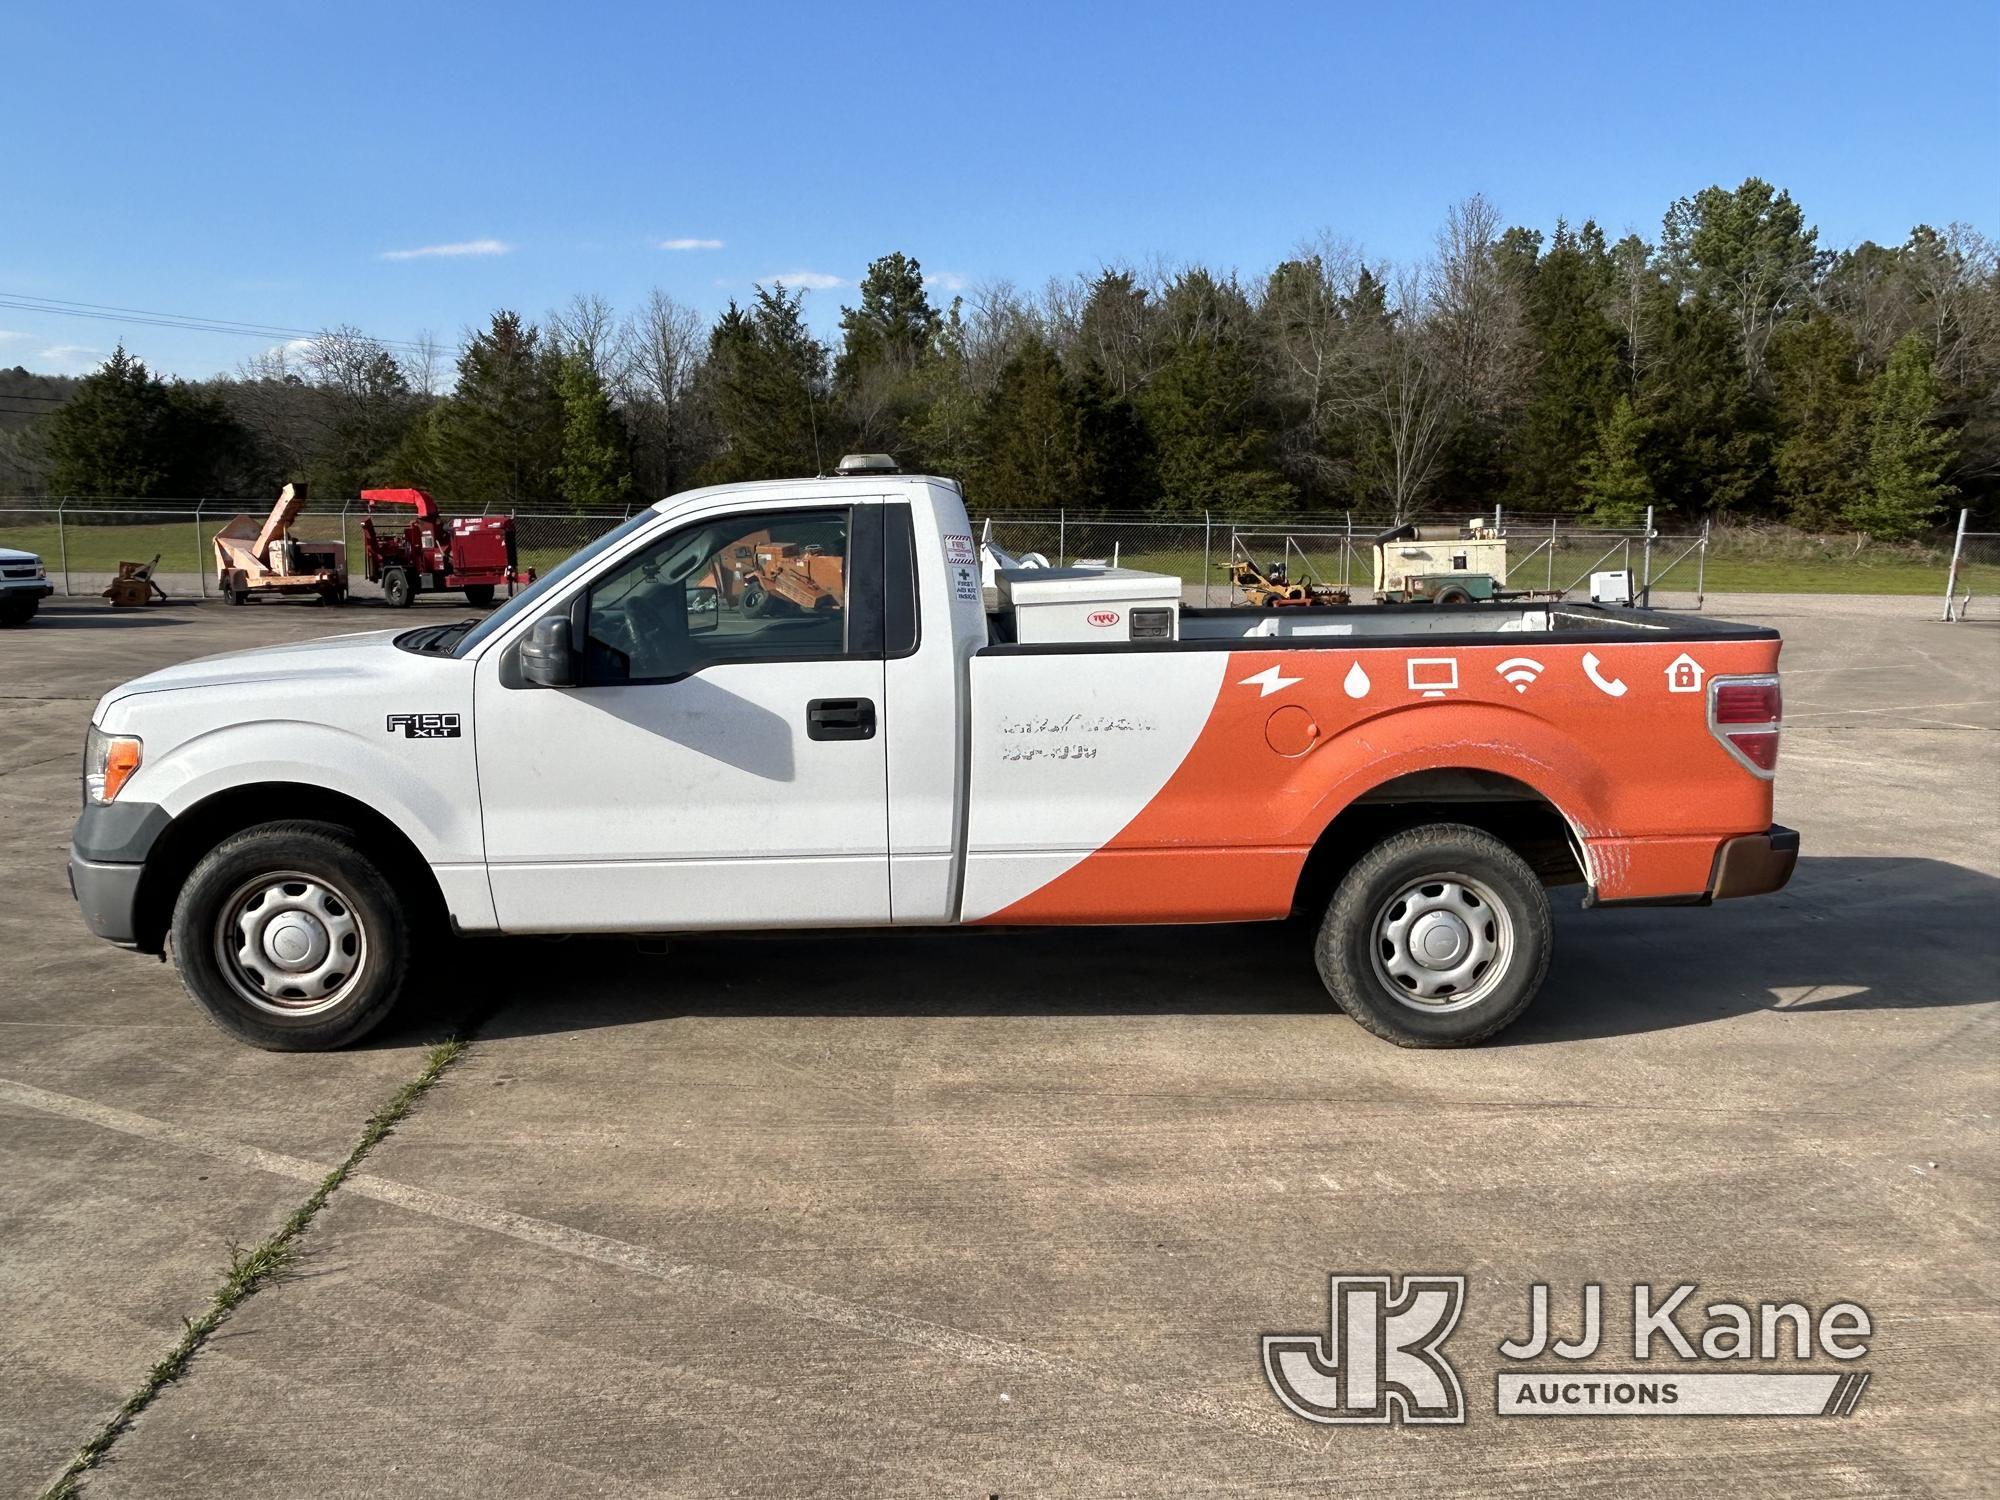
(630, 746)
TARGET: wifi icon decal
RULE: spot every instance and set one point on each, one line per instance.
(1521, 671)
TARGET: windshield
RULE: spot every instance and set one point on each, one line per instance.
(550, 580)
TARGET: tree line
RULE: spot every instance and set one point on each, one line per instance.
(1731, 367)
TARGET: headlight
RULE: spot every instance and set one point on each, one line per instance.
(108, 763)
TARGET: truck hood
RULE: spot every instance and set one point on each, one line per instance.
(12, 555)
(300, 663)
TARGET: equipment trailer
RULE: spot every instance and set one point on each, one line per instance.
(473, 553)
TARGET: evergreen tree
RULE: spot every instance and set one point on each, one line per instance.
(1613, 482)
(895, 327)
(1748, 252)
(1577, 373)
(1212, 450)
(1908, 455)
(1708, 439)
(889, 345)
(596, 468)
(498, 438)
(1052, 438)
(127, 432)
(1821, 415)
(768, 391)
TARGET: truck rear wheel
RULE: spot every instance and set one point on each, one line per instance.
(1438, 937)
(398, 588)
(479, 595)
(291, 938)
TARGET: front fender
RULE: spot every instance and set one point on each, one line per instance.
(427, 788)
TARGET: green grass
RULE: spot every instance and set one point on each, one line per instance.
(249, 1271)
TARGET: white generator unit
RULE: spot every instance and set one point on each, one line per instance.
(1611, 588)
(1066, 606)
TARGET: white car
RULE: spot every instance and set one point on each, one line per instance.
(786, 704)
(24, 584)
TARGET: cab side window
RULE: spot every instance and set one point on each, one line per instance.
(770, 586)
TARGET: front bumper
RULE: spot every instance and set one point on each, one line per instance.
(1754, 864)
(40, 588)
(107, 859)
(108, 897)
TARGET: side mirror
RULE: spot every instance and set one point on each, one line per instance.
(546, 658)
(704, 612)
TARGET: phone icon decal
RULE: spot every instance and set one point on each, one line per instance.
(1608, 685)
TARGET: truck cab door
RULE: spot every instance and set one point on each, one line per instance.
(719, 760)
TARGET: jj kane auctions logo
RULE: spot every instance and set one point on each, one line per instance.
(1382, 1357)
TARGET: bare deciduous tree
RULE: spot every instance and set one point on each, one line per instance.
(667, 342)
(1401, 401)
(1476, 321)
(590, 326)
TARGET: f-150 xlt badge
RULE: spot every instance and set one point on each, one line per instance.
(425, 726)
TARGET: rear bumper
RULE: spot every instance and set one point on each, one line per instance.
(1754, 864)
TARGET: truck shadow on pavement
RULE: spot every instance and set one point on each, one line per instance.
(1849, 933)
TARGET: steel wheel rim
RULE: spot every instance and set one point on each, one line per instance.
(291, 944)
(1442, 942)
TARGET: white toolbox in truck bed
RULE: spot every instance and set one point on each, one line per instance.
(1090, 604)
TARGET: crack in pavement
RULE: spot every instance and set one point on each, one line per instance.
(695, 1280)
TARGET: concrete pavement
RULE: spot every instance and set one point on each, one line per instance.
(898, 1215)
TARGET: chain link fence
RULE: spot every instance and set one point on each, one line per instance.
(1674, 563)
(83, 541)
(1547, 554)
(1972, 582)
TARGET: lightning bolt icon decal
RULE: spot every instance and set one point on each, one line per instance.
(1269, 681)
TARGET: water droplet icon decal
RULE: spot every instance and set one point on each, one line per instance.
(1356, 682)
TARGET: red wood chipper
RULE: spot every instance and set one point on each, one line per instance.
(473, 553)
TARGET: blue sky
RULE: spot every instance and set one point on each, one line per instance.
(274, 162)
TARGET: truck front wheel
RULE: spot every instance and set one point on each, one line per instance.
(398, 588)
(1438, 937)
(291, 938)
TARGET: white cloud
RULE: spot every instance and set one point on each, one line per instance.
(949, 281)
(7, 334)
(690, 244)
(812, 281)
(75, 357)
(462, 247)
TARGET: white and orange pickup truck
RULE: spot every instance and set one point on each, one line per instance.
(671, 732)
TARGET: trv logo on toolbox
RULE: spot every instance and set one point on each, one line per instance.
(1383, 1359)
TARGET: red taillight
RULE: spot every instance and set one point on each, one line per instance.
(1753, 701)
(1748, 703)
(1758, 746)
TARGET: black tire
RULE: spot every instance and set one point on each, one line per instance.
(15, 613)
(1437, 866)
(755, 600)
(399, 588)
(320, 857)
(1452, 595)
(238, 596)
(479, 595)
